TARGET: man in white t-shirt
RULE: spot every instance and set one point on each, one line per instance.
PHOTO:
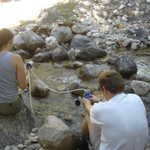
(120, 119)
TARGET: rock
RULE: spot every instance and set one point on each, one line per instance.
(24, 54)
(80, 28)
(56, 135)
(85, 48)
(143, 72)
(39, 89)
(59, 54)
(28, 40)
(62, 34)
(15, 129)
(21, 146)
(135, 45)
(126, 66)
(35, 130)
(140, 87)
(42, 57)
(12, 147)
(91, 71)
(51, 42)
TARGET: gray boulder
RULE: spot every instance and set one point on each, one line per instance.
(51, 42)
(91, 71)
(140, 87)
(39, 89)
(59, 54)
(143, 72)
(42, 57)
(28, 40)
(62, 34)
(24, 54)
(56, 135)
(126, 66)
(85, 48)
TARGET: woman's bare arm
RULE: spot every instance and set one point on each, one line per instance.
(20, 71)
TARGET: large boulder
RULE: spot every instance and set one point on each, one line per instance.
(56, 135)
(39, 89)
(91, 71)
(59, 54)
(62, 34)
(126, 66)
(85, 48)
(43, 57)
(15, 129)
(28, 40)
(140, 87)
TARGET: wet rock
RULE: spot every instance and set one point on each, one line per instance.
(140, 87)
(28, 40)
(42, 57)
(15, 129)
(39, 89)
(62, 34)
(80, 28)
(59, 54)
(91, 71)
(126, 66)
(51, 42)
(56, 135)
(85, 48)
(24, 54)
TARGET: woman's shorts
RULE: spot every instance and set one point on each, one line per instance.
(11, 108)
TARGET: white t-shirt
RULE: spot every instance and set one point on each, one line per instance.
(123, 122)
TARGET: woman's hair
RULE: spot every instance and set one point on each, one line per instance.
(5, 36)
(112, 81)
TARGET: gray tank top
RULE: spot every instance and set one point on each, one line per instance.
(8, 81)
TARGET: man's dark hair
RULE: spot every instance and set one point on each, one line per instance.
(5, 36)
(111, 81)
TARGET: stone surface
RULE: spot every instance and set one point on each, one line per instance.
(62, 34)
(140, 87)
(126, 66)
(56, 135)
(24, 54)
(39, 89)
(51, 42)
(42, 57)
(80, 28)
(59, 54)
(28, 40)
(91, 71)
(85, 48)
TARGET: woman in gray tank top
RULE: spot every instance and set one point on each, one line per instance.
(12, 75)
